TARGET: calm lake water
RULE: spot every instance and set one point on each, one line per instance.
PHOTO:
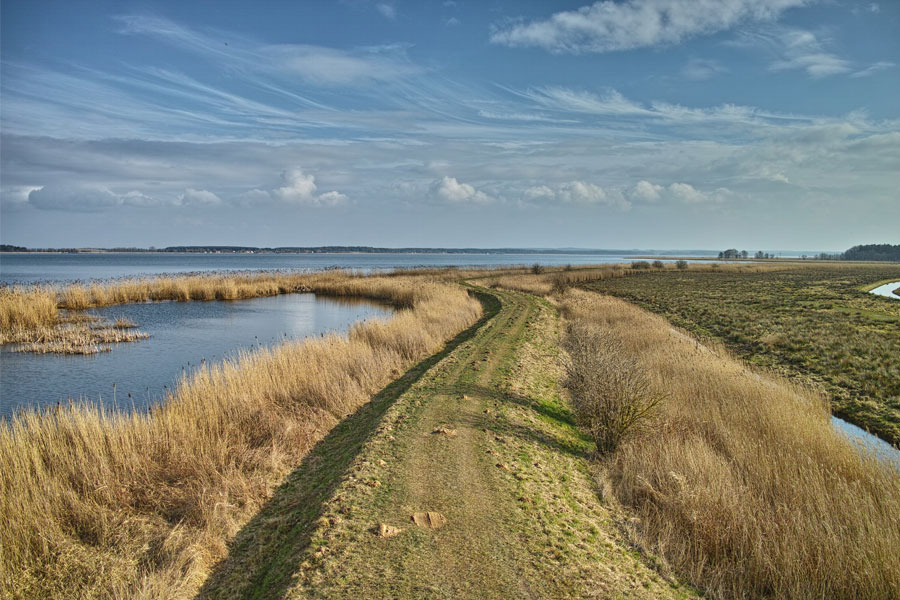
(42, 267)
(182, 334)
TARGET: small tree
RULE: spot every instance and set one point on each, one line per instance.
(640, 264)
(611, 395)
(658, 264)
(681, 264)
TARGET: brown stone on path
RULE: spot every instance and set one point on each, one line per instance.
(429, 520)
(387, 531)
(445, 431)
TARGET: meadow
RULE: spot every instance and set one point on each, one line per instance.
(814, 323)
(99, 503)
(735, 478)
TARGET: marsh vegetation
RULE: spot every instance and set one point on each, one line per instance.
(813, 322)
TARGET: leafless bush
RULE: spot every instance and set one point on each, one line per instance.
(612, 396)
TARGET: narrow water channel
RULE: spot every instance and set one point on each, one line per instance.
(887, 290)
(182, 335)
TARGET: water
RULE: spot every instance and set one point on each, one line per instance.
(887, 290)
(867, 441)
(44, 267)
(182, 334)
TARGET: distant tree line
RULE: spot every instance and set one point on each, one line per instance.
(867, 252)
(890, 252)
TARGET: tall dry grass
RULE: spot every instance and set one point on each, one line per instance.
(102, 504)
(22, 309)
(744, 486)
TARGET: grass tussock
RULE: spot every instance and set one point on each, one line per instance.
(744, 486)
(100, 504)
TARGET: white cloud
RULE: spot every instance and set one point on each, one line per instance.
(874, 68)
(795, 49)
(16, 196)
(136, 198)
(192, 197)
(316, 64)
(332, 66)
(388, 11)
(451, 190)
(644, 191)
(610, 103)
(699, 69)
(76, 199)
(688, 194)
(609, 26)
(299, 188)
(452, 22)
(578, 192)
(332, 198)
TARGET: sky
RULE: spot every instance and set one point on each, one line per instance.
(757, 124)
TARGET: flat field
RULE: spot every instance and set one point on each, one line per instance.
(812, 322)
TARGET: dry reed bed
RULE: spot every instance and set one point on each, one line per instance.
(99, 504)
(744, 486)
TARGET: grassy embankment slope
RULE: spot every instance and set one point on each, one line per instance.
(109, 505)
(815, 322)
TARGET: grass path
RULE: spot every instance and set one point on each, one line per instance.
(477, 434)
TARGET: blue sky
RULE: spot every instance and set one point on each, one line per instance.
(636, 123)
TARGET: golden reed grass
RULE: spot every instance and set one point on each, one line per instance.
(744, 486)
(104, 504)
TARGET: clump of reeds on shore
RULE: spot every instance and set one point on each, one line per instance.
(744, 487)
(103, 504)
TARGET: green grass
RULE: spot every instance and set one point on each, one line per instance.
(814, 322)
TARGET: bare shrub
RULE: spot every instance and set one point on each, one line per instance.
(611, 395)
(640, 264)
(537, 268)
(658, 264)
(681, 265)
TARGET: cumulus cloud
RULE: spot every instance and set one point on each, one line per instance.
(609, 26)
(644, 191)
(451, 190)
(299, 188)
(578, 192)
(192, 197)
